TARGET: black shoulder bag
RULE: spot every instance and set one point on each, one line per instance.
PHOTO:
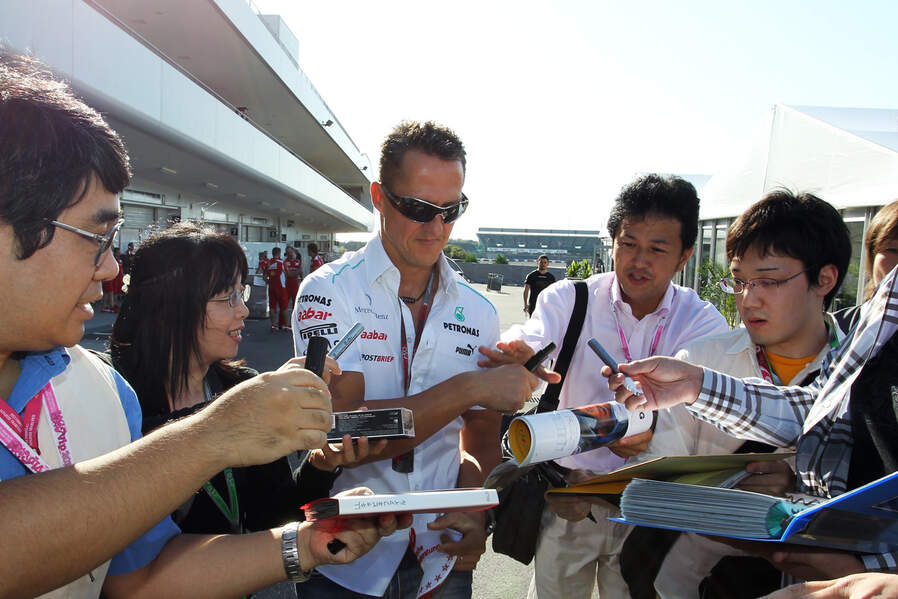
(521, 504)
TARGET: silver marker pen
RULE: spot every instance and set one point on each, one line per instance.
(347, 339)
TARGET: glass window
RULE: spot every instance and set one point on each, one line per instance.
(847, 295)
(720, 254)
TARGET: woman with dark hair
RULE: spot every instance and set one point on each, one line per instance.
(175, 341)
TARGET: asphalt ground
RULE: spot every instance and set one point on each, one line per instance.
(497, 576)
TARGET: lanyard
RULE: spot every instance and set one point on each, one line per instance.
(767, 371)
(625, 347)
(231, 509)
(405, 463)
(422, 317)
(20, 438)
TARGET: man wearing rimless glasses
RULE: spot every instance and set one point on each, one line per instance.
(84, 498)
(422, 327)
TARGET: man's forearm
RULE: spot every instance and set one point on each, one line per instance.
(205, 566)
(89, 512)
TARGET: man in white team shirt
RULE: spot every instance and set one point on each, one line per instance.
(633, 311)
(419, 350)
(788, 255)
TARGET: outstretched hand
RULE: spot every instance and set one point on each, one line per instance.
(869, 585)
(665, 382)
(472, 544)
(347, 454)
(514, 352)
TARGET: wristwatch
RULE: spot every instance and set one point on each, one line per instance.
(290, 553)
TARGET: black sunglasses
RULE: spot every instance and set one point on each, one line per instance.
(422, 211)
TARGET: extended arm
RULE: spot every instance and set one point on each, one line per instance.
(235, 565)
(89, 512)
(504, 389)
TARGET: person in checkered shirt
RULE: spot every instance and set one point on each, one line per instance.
(843, 424)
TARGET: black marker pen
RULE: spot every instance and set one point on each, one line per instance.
(538, 358)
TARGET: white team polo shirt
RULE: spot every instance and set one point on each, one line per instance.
(682, 314)
(363, 287)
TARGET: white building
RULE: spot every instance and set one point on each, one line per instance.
(846, 156)
(221, 123)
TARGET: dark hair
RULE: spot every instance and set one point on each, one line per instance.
(430, 138)
(51, 145)
(884, 225)
(541, 257)
(313, 247)
(663, 196)
(275, 251)
(174, 273)
(795, 224)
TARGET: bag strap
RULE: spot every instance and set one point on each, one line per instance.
(549, 400)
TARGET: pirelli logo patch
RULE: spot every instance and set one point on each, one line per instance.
(318, 330)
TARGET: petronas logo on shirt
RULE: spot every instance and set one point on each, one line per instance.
(460, 313)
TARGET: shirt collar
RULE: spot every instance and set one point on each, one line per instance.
(664, 305)
(741, 343)
(37, 368)
(378, 264)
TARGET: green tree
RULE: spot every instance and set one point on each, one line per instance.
(501, 259)
(585, 269)
(709, 274)
(573, 270)
(457, 253)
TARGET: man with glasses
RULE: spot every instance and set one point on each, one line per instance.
(422, 327)
(84, 499)
(788, 255)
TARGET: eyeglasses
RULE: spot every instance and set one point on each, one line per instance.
(737, 286)
(103, 240)
(235, 297)
(422, 211)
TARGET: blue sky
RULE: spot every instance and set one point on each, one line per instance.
(561, 103)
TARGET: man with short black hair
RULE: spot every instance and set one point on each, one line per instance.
(535, 282)
(633, 311)
(84, 500)
(422, 328)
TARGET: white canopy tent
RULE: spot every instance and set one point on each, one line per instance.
(847, 156)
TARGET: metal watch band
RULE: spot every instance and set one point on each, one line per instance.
(290, 553)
